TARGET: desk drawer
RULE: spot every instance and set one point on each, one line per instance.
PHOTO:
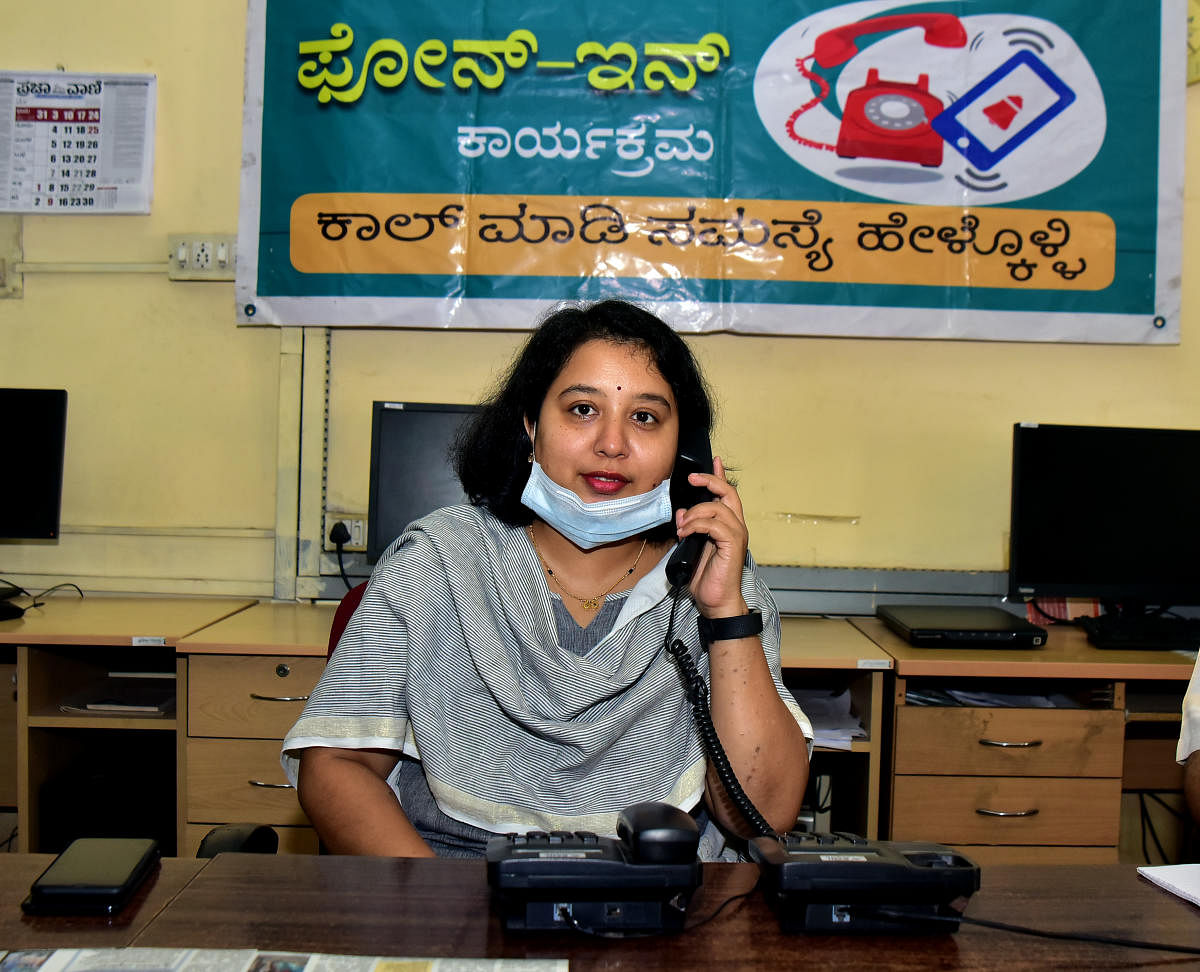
(1009, 742)
(239, 696)
(220, 788)
(1054, 811)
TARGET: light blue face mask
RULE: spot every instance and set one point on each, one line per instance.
(589, 525)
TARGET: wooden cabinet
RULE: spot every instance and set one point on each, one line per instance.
(239, 709)
(8, 729)
(830, 657)
(1001, 777)
(248, 679)
(1008, 777)
(90, 772)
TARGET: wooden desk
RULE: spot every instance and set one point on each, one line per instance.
(268, 628)
(1067, 655)
(223, 651)
(18, 930)
(249, 674)
(1028, 783)
(66, 645)
(395, 907)
(117, 621)
(247, 679)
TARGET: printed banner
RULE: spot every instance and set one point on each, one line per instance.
(1003, 169)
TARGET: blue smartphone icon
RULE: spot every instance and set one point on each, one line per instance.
(1003, 110)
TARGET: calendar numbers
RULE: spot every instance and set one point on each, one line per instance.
(60, 147)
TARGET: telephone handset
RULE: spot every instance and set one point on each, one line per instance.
(837, 46)
(695, 455)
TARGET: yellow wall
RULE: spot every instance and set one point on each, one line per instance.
(170, 466)
(874, 453)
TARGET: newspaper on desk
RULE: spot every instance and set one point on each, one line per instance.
(249, 960)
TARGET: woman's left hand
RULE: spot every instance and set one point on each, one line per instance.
(717, 584)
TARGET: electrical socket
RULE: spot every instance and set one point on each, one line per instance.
(201, 256)
(358, 532)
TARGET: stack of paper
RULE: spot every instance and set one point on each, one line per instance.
(125, 693)
(834, 725)
(1180, 879)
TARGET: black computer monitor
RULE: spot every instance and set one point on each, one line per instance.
(1109, 514)
(411, 474)
(32, 475)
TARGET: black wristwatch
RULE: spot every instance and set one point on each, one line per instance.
(729, 629)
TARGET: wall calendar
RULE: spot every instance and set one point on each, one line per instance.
(76, 143)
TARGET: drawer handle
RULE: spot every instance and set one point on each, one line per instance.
(279, 698)
(1006, 813)
(289, 786)
(1010, 745)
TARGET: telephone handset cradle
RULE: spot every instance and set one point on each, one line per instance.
(641, 881)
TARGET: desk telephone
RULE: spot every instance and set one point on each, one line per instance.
(835, 883)
(642, 880)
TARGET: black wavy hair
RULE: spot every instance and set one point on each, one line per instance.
(491, 454)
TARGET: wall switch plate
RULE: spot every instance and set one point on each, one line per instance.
(357, 525)
(201, 256)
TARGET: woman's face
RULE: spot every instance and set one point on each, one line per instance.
(609, 424)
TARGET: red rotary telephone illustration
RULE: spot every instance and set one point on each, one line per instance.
(883, 119)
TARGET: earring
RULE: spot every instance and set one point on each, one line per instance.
(530, 459)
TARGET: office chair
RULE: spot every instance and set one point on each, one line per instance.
(243, 838)
(341, 617)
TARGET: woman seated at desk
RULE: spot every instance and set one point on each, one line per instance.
(483, 686)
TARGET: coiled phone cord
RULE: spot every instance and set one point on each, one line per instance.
(697, 693)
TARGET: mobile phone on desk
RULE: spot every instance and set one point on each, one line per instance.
(93, 876)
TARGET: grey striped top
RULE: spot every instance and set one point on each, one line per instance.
(453, 658)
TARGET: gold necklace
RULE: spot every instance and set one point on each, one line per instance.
(588, 603)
